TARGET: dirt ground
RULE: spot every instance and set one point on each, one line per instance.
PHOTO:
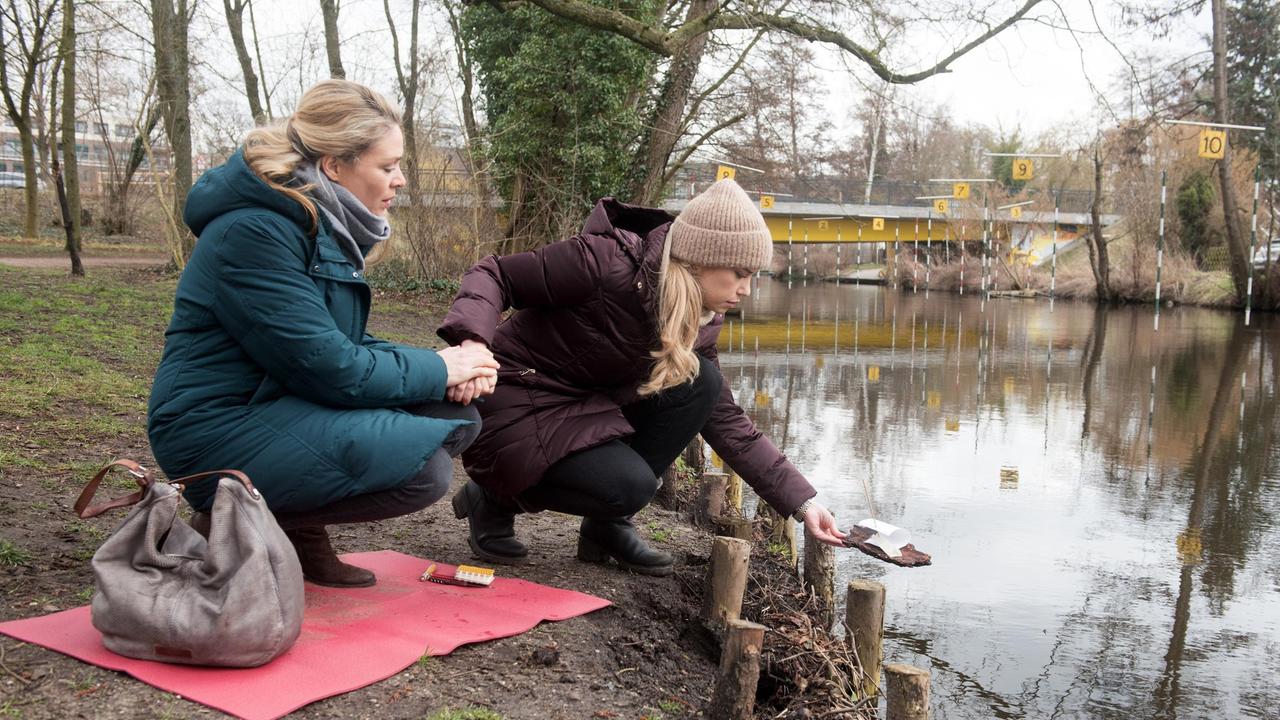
(643, 657)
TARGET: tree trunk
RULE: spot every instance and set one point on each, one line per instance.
(31, 193)
(235, 23)
(262, 68)
(332, 45)
(650, 159)
(169, 24)
(116, 218)
(1098, 257)
(1236, 247)
(409, 90)
(69, 179)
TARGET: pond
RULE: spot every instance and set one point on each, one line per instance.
(1099, 495)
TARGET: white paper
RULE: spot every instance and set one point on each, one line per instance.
(889, 538)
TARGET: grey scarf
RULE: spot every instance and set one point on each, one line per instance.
(357, 229)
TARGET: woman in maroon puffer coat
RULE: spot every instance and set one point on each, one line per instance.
(608, 370)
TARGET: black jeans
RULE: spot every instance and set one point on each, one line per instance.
(620, 477)
(421, 489)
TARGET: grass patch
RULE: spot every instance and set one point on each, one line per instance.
(11, 555)
(658, 533)
(79, 354)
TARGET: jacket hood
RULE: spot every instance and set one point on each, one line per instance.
(610, 214)
(233, 186)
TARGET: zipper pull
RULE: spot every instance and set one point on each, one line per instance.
(527, 371)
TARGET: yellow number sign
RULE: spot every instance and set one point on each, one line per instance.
(960, 191)
(877, 223)
(940, 206)
(1015, 213)
(934, 399)
(766, 202)
(1213, 144)
(873, 373)
(1023, 169)
(724, 172)
(823, 224)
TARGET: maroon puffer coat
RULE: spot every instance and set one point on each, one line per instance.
(578, 347)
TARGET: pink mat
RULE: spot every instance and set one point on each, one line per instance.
(350, 638)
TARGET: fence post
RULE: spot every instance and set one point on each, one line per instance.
(726, 581)
(864, 623)
(819, 576)
(733, 493)
(710, 499)
(734, 697)
(734, 527)
(908, 692)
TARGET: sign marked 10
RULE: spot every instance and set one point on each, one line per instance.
(1213, 144)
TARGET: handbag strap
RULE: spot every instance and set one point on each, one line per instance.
(145, 479)
(141, 475)
(235, 474)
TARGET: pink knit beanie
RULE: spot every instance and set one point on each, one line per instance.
(721, 227)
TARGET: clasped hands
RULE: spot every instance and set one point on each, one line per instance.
(473, 371)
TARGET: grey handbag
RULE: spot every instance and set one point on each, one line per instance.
(166, 593)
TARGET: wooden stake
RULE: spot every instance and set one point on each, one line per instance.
(667, 496)
(819, 576)
(734, 527)
(733, 493)
(710, 499)
(864, 623)
(694, 456)
(908, 692)
(734, 697)
(726, 581)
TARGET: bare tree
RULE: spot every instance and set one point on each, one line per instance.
(667, 116)
(332, 41)
(67, 177)
(235, 23)
(24, 46)
(170, 24)
(1099, 260)
(1237, 247)
(408, 81)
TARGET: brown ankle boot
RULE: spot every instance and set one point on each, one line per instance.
(320, 564)
(200, 522)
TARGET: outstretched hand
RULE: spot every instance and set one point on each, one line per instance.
(472, 371)
(821, 524)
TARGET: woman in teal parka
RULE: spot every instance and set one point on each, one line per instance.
(267, 367)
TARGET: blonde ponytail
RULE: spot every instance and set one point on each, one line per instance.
(679, 316)
(335, 118)
(268, 152)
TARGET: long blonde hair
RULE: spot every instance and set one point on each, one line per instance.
(335, 118)
(679, 316)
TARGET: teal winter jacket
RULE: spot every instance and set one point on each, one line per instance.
(267, 367)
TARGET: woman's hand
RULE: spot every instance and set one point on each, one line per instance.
(470, 390)
(467, 362)
(821, 524)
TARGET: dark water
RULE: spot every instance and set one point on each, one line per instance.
(1105, 539)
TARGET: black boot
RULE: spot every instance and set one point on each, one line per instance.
(492, 524)
(602, 538)
(320, 564)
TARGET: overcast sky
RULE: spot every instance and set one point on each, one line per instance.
(1036, 77)
(1032, 76)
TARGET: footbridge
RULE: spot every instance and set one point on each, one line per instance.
(1029, 235)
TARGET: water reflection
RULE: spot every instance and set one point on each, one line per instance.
(1099, 496)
